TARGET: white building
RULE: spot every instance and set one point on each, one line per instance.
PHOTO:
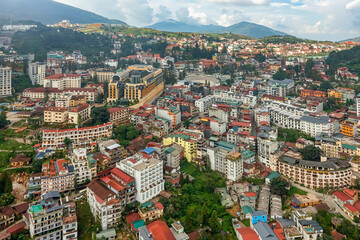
(172, 114)
(37, 73)
(63, 81)
(148, 174)
(204, 103)
(267, 144)
(5, 81)
(81, 166)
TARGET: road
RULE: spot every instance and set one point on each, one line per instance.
(328, 199)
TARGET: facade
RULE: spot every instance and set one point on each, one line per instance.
(37, 73)
(112, 149)
(348, 127)
(189, 144)
(81, 166)
(313, 93)
(5, 82)
(150, 211)
(119, 116)
(42, 93)
(55, 115)
(332, 173)
(79, 114)
(102, 75)
(174, 155)
(57, 176)
(81, 137)
(172, 114)
(63, 81)
(90, 93)
(310, 229)
(342, 94)
(148, 174)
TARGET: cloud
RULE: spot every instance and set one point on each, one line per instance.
(242, 2)
(353, 5)
(137, 12)
(163, 13)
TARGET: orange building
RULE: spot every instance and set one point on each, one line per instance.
(348, 127)
(313, 93)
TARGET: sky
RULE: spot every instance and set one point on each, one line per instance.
(332, 20)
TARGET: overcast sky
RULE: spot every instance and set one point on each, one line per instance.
(314, 19)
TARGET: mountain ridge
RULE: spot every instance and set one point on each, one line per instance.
(50, 12)
(241, 28)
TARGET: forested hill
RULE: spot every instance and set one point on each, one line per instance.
(347, 58)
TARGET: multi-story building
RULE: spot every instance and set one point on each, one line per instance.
(225, 159)
(116, 85)
(174, 155)
(279, 88)
(5, 82)
(49, 218)
(42, 93)
(57, 176)
(119, 116)
(186, 141)
(342, 94)
(172, 114)
(150, 211)
(77, 100)
(127, 181)
(107, 199)
(267, 144)
(81, 166)
(349, 126)
(332, 173)
(80, 137)
(63, 81)
(55, 115)
(309, 228)
(204, 103)
(79, 114)
(102, 75)
(90, 93)
(148, 174)
(313, 93)
(37, 73)
(112, 149)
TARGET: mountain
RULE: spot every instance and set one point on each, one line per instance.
(356, 39)
(241, 28)
(49, 12)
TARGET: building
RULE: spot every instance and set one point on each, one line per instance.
(77, 100)
(246, 233)
(81, 166)
(37, 73)
(332, 173)
(55, 115)
(90, 93)
(81, 137)
(187, 141)
(102, 75)
(50, 218)
(310, 229)
(348, 127)
(127, 181)
(57, 176)
(107, 199)
(5, 82)
(267, 144)
(148, 174)
(116, 85)
(63, 81)
(313, 93)
(150, 211)
(172, 114)
(113, 150)
(42, 93)
(79, 114)
(341, 94)
(119, 116)
(264, 231)
(174, 154)
(157, 230)
(7, 217)
(20, 160)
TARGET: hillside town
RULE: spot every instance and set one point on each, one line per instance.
(179, 137)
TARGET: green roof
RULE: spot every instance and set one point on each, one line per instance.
(247, 153)
(147, 204)
(246, 209)
(213, 139)
(183, 136)
(36, 208)
(226, 144)
(348, 146)
(273, 175)
(169, 150)
(138, 224)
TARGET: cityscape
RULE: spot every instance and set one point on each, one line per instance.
(178, 129)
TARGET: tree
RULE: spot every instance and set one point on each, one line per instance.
(5, 183)
(99, 115)
(67, 142)
(3, 121)
(310, 153)
(308, 68)
(214, 223)
(280, 74)
(187, 123)
(278, 186)
(260, 57)
(324, 86)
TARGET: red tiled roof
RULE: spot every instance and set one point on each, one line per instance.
(122, 175)
(337, 235)
(16, 228)
(60, 76)
(247, 233)
(114, 110)
(160, 231)
(159, 206)
(250, 194)
(342, 196)
(351, 208)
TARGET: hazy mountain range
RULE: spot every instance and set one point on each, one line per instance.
(241, 28)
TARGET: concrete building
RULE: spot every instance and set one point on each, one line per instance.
(57, 176)
(5, 82)
(148, 174)
(119, 116)
(63, 81)
(267, 144)
(310, 229)
(79, 114)
(81, 166)
(55, 115)
(186, 141)
(172, 114)
(174, 155)
(112, 149)
(37, 73)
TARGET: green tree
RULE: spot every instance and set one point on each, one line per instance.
(187, 123)
(3, 121)
(280, 74)
(310, 153)
(324, 86)
(260, 57)
(99, 115)
(278, 186)
(308, 68)
(67, 142)
(214, 223)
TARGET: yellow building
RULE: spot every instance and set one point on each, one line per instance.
(348, 127)
(55, 115)
(336, 94)
(77, 100)
(189, 145)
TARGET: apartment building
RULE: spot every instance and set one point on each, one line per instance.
(42, 93)
(5, 82)
(49, 218)
(112, 149)
(148, 174)
(349, 126)
(174, 155)
(107, 200)
(267, 144)
(186, 141)
(119, 116)
(63, 81)
(150, 211)
(225, 159)
(313, 93)
(309, 228)
(172, 114)
(90, 93)
(127, 181)
(341, 94)
(57, 176)
(37, 73)
(77, 100)
(332, 173)
(102, 75)
(80, 137)
(79, 114)
(279, 88)
(332, 148)
(55, 115)
(81, 166)
(63, 101)
(203, 104)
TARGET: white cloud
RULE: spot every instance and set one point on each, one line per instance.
(355, 4)
(242, 2)
(163, 13)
